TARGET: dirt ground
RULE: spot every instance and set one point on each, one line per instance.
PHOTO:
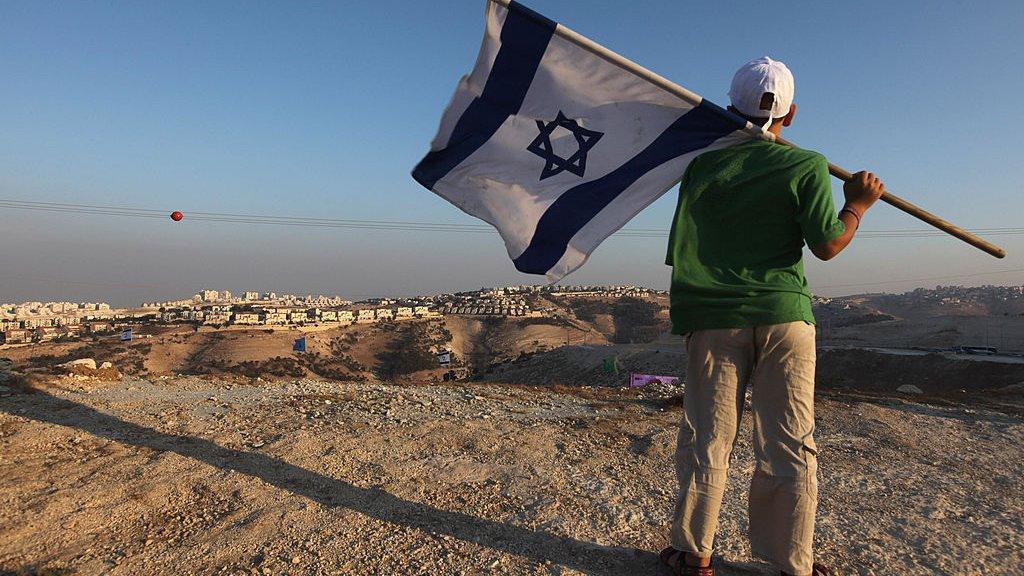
(214, 476)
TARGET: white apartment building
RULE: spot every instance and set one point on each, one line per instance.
(246, 318)
(217, 318)
(275, 318)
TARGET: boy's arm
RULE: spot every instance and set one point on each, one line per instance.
(861, 192)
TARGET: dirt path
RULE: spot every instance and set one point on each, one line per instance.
(209, 477)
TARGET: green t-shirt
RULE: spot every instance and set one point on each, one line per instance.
(736, 246)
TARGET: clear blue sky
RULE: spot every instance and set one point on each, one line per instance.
(289, 108)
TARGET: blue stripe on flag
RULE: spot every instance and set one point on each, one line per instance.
(524, 39)
(572, 210)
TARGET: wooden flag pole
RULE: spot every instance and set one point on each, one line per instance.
(917, 212)
(694, 99)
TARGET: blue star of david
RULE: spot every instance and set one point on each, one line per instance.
(555, 164)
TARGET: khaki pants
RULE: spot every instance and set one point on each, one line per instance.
(778, 362)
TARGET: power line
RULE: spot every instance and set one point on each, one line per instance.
(384, 224)
(243, 218)
(398, 225)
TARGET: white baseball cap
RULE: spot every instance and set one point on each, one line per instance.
(762, 88)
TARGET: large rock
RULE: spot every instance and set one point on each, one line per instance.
(80, 363)
(910, 389)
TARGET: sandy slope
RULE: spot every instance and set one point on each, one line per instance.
(203, 477)
(172, 350)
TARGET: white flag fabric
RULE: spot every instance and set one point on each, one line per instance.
(558, 148)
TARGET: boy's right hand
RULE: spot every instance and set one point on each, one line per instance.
(863, 190)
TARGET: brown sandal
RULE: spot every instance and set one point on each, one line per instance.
(679, 566)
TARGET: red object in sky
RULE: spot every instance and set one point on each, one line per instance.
(177, 216)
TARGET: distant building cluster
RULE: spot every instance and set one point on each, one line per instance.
(566, 290)
(993, 298)
(221, 308)
(609, 291)
(41, 322)
(515, 300)
(225, 297)
(33, 314)
(491, 307)
(270, 315)
(49, 333)
(45, 321)
(960, 295)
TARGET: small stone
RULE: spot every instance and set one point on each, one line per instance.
(910, 389)
(296, 560)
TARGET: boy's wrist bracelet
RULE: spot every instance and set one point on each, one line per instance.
(852, 212)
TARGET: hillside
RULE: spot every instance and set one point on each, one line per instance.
(222, 451)
(578, 332)
(387, 349)
(214, 476)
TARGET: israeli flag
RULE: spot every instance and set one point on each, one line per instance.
(557, 147)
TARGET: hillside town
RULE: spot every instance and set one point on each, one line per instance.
(29, 322)
(996, 297)
(47, 321)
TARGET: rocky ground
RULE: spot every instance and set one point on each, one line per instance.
(213, 476)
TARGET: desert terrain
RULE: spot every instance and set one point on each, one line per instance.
(212, 476)
(222, 452)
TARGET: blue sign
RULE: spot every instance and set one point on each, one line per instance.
(299, 345)
(126, 335)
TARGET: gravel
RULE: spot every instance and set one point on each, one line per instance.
(212, 476)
